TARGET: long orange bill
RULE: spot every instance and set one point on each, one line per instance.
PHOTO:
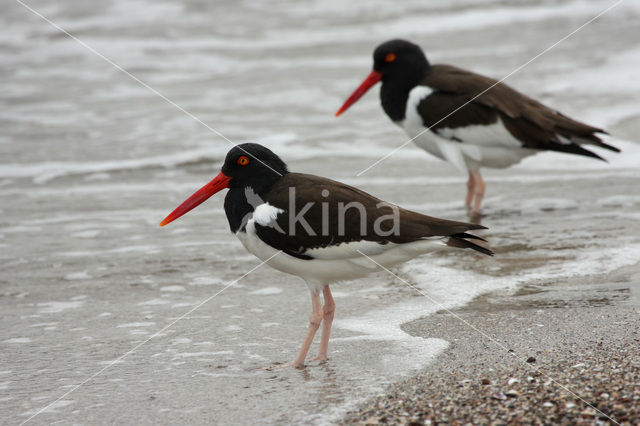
(371, 79)
(218, 183)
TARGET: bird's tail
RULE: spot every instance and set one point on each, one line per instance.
(594, 140)
(461, 240)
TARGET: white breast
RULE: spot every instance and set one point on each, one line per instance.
(336, 263)
(413, 123)
(467, 147)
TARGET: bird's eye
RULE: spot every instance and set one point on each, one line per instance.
(390, 57)
(243, 161)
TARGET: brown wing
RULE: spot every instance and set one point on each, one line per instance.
(534, 124)
(320, 203)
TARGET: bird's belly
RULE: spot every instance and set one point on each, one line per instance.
(318, 272)
(413, 124)
(475, 146)
(423, 137)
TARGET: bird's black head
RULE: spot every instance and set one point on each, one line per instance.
(246, 166)
(400, 65)
(400, 60)
(253, 165)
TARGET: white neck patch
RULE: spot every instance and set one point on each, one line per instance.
(416, 95)
(265, 214)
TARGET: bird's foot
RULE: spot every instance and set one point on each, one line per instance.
(321, 358)
(278, 366)
(475, 216)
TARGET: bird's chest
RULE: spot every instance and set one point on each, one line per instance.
(252, 242)
(413, 123)
(263, 215)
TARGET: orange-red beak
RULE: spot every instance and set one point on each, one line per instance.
(218, 183)
(371, 79)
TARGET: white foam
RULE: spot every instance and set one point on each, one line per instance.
(172, 288)
(182, 305)
(447, 287)
(201, 354)
(206, 281)
(57, 307)
(50, 408)
(111, 362)
(154, 302)
(267, 291)
(43, 324)
(77, 276)
(17, 340)
(92, 233)
(136, 324)
(619, 201)
(46, 171)
(270, 324)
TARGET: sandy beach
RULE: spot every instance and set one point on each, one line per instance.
(548, 357)
(106, 318)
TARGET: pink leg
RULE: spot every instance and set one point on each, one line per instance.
(314, 324)
(471, 183)
(478, 192)
(328, 310)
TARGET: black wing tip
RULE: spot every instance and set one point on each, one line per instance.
(487, 252)
(609, 147)
(578, 150)
(595, 139)
(475, 226)
(460, 241)
(465, 235)
(479, 248)
(587, 153)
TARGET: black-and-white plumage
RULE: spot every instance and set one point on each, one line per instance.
(468, 119)
(318, 229)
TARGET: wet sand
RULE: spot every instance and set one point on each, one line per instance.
(561, 354)
(91, 162)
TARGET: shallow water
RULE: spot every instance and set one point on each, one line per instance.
(91, 162)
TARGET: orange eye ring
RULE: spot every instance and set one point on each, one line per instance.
(390, 57)
(243, 161)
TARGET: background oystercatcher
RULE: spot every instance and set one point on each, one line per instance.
(467, 119)
(322, 228)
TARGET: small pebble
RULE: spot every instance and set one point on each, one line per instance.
(588, 412)
(499, 396)
(445, 397)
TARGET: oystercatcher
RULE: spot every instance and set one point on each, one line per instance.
(320, 229)
(467, 119)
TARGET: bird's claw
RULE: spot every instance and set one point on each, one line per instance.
(276, 367)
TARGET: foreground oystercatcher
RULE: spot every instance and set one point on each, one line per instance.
(467, 119)
(318, 229)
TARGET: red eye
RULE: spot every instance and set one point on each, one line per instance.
(243, 161)
(390, 57)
